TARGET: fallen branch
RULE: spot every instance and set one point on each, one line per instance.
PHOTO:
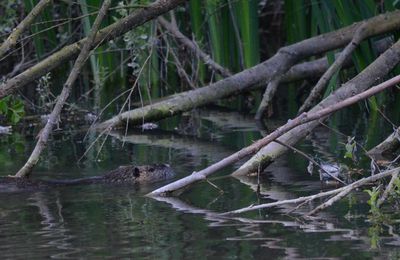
(53, 118)
(353, 186)
(11, 40)
(110, 32)
(316, 68)
(373, 73)
(389, 145)
(270, 91)
(276, 65)
(349, 188)
(316, 92)
(300, 120)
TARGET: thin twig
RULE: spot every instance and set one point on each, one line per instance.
(193, 47)
(346, 189)
(310, 159)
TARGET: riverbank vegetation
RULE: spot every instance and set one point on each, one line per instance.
(143, 61)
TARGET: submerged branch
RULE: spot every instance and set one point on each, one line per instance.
(340, 191)
(300, 120)
(349, 188)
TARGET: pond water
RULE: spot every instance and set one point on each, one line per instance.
(102, 221)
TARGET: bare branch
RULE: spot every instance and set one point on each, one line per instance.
(80, 61)
(349, 188)
(301, 119)
(194, 48)
(338, 191)
(359, 35)
(267, 97)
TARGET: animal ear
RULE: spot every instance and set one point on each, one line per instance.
(136, 172)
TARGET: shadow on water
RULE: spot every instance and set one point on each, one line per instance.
(118, 221)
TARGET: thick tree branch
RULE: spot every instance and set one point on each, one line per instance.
(276, 65)
(373, 73)
(300, 120)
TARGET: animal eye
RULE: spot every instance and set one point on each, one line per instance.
(151, 170)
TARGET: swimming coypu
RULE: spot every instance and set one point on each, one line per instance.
(123, 175)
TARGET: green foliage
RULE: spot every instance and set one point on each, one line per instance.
(373, 199)
(351, 148)
(233, 32)
(44, 35)
(374, 233)
(196, 22)
(12, 108)
(246, 18)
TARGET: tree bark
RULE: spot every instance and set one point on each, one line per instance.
(53, 119)
(112, 31)
(276, 65)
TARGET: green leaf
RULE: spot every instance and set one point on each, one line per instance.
(3, 107)
(15, 118)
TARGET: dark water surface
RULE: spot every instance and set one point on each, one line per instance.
(100, 221)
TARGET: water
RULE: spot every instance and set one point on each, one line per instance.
(102, 221)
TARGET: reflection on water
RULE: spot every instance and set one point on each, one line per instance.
(112, 221)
